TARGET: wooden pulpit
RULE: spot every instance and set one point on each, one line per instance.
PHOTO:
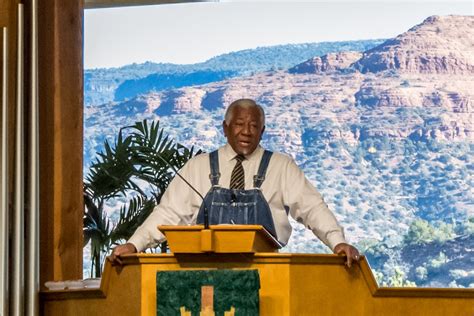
(290, 284)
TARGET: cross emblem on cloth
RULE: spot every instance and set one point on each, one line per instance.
(237, 179)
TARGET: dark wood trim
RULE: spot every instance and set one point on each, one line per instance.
(72, 294)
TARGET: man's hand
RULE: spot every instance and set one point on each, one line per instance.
(349, 251)
(120, 250)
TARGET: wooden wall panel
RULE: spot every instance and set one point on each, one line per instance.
(61, 128)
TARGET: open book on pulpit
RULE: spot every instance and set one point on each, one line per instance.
(219, 239)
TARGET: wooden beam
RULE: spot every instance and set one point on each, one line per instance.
(95, 4)
(61, 138)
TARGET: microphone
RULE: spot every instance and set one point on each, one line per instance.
(206, 212)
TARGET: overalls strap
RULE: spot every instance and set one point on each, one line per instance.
(214, 162)
(262, 169)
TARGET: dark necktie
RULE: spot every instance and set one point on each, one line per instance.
(237, 179)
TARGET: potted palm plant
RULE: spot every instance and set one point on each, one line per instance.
(135, 171)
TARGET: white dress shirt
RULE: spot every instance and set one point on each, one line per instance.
(285, 187)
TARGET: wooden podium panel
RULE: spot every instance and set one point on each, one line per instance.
(219, 239)
(291, 284)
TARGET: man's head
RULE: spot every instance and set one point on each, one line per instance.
(244, 125)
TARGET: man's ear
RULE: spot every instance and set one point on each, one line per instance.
(261, 133)
(224, 128)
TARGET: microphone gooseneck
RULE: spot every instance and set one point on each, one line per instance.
(206, 212)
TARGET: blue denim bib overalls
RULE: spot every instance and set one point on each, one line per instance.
(233, 206)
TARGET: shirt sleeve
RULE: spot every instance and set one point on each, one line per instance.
(175, 208)
(308, 207)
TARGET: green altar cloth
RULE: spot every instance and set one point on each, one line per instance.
(237, 288)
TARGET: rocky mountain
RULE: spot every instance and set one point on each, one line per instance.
(334, 79)
(387, 136)
(331, 62)
(117, 84)
(355, 97)
(439, 45)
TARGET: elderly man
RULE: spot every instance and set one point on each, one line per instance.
(245, 184)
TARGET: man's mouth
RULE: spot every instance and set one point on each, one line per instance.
(244, 143)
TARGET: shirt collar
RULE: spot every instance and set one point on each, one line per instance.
(229, 153)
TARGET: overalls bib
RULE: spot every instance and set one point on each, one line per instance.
(233, 206)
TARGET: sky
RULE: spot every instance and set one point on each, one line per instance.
(188, 33)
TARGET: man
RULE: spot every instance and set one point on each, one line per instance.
(244, 184)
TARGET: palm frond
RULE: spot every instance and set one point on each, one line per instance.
(142, 153)
(131, 217)
(96, 225)
(109, 175)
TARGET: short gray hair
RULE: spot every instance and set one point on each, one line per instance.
(243, 103)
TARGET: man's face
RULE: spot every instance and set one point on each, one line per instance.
(244, 130)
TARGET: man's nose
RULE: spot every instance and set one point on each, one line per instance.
(246, 130)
